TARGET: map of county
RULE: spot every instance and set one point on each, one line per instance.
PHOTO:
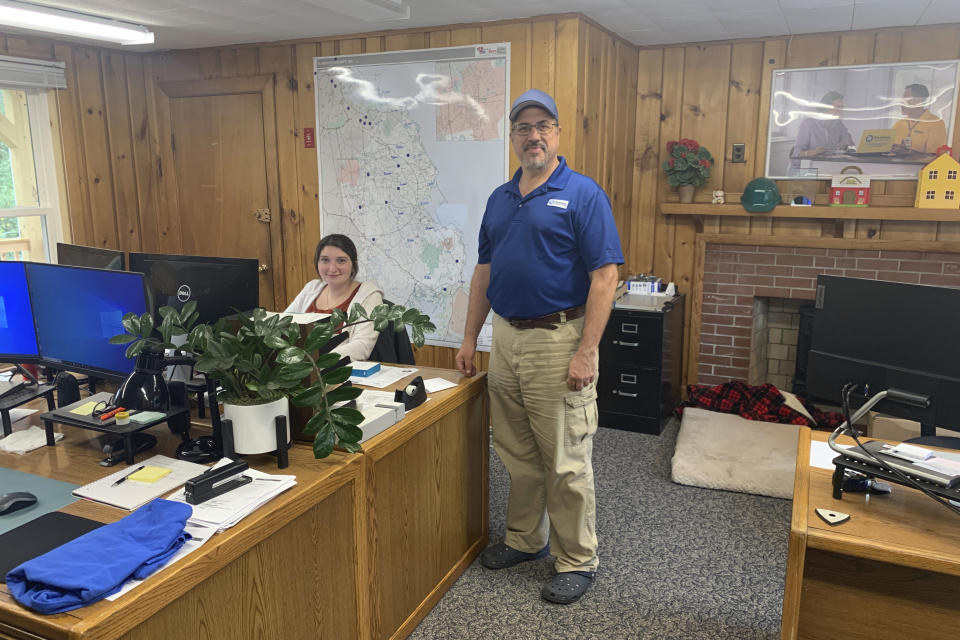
(409, 149)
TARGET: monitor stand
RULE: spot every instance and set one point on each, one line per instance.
(116, 452)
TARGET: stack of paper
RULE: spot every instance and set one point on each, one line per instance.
(385, 377)
(228, 509)
(222, 512)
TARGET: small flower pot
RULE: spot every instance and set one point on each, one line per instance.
(686, 192)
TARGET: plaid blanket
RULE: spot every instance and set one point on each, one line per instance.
(764, 403)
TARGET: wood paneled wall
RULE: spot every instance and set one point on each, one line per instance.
(618, 105)
(111, 145)
(719, 94)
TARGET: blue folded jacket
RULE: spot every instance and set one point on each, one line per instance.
(97, 564)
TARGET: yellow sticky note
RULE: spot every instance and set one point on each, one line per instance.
(85, 409)
(149, 474)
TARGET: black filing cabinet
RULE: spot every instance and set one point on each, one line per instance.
(640, 359)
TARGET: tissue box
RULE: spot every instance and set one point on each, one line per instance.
(365, 369)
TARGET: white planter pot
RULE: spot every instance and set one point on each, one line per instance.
(254, 426)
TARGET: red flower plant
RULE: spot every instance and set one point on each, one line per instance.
(689, 163)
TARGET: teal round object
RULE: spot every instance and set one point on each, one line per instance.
(760, 195)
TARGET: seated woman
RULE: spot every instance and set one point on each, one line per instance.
(336, 260)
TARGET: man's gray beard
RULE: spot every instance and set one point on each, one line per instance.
(535, 165)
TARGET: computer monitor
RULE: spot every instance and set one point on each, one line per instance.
(888, 335)
(18, 339)
(77, 310)
(77, 255)
(219, 285)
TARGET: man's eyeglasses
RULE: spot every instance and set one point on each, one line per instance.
(543, 128)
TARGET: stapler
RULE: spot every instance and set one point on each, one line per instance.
(215, 482)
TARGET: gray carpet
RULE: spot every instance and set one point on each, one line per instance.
(676, 562)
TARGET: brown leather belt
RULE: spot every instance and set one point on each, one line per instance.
(549, 321)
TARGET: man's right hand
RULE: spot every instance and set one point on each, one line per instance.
(465, 359)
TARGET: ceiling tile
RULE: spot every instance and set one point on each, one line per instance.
(818, 20)
(941, 12)
(877, 14)
(753, 24)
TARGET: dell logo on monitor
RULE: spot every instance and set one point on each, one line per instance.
(183, 293)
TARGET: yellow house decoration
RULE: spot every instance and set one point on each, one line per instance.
(938, 185)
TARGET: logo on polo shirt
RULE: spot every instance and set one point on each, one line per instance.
(560, 204)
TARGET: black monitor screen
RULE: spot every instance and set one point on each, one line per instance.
(884, 335)
(76, 255)
(18, 340)
(219, 285)
(76, 312)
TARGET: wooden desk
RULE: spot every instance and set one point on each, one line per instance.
(289, 570)
(426, 507)
(891, 571)
(362, 547)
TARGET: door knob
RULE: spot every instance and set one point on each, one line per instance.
(263, 268)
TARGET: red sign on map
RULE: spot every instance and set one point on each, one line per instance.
(308, 140)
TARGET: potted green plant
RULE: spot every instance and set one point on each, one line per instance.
(687, 167)
(260, 360)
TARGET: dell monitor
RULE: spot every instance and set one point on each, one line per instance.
(888, 335)
(77, 310)
(18, 340)
(76, 255)
(221, 286)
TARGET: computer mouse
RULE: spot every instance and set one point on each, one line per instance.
(10, 502)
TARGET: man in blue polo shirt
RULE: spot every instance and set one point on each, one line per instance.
(547, 266)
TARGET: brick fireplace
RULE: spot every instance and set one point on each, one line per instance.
(738, 278)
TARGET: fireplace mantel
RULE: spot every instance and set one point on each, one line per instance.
(815, 212)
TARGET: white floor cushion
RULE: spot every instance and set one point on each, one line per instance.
(724, 451)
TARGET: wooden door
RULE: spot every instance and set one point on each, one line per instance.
(221, 176)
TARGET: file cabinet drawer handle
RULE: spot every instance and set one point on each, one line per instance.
(617, 392)
(628, 378)
(626, 344)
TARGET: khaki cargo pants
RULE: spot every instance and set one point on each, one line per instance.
(544, 432)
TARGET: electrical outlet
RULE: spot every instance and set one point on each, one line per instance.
(738, 153)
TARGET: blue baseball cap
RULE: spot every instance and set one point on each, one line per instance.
(533, 98)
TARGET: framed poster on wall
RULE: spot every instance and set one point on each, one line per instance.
(888, 120)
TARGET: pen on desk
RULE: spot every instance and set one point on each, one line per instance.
(123, 478)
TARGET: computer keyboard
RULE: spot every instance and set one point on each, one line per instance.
(904, 466)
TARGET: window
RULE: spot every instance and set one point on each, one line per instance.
(948, 195)
(29, 202)
(931, 194)
(952, 174)
(932, 174)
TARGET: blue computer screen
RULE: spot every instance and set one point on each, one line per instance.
(18, 341)
(76, 312)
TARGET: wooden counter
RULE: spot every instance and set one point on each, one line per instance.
(362, 547)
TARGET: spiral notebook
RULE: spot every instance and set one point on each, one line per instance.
(131, 494)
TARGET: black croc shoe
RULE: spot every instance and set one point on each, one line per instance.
(501, 556)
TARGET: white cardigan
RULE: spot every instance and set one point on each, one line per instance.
(363, 336)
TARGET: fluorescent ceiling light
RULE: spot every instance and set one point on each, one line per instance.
(367, 10)
(69, 23)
